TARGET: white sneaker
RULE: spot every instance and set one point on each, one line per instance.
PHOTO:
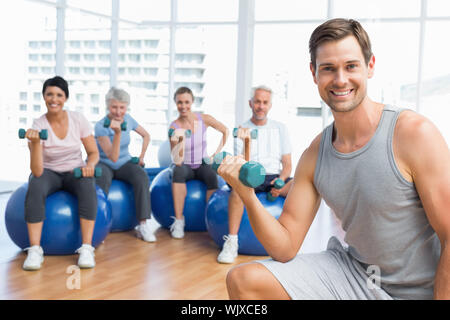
(86, 259)
(177, 228)
(145, 232)
(34, 258)
(229, 250)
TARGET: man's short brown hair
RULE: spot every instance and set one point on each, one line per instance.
(337, 29)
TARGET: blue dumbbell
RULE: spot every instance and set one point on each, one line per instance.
(207, 160)
(77, 173)
(187, 133)
(43, 134)
(279, 183)
(253, 133)
(107, 123)
(135, 160)
(252, 174)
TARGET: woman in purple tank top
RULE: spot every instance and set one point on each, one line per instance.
(188, 147)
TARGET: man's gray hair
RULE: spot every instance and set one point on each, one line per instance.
(261, 87)
(117, 94)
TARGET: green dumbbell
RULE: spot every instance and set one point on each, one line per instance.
(107, 123)
(77, 173)
(135, 160)
(43, 134)
(253, 133)
(251, 174)
(279, 183)
(187, 133)
(207, 160)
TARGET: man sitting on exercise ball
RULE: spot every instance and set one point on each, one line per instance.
(270, 147)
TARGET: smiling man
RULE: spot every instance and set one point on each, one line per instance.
(384, 171)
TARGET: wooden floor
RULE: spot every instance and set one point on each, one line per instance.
(127, 268)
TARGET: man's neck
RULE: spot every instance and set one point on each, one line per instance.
(353, 129)
(258, 122)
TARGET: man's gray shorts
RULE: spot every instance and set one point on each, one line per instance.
(328, 275)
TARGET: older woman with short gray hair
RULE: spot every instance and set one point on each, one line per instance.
(112, 133)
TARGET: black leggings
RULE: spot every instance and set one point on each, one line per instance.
(183, 173)
(135, 175)
(50, 182)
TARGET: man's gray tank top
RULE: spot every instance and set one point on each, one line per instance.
(381, 212)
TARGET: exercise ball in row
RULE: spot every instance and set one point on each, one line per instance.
(61, 233)
(164, 155)
(121, 197)
(217, 221)
(162, 202)
(153, 172)
(123, 208)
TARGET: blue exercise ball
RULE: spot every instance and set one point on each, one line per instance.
(222, 183)
(123, 209)
(153, 172)
(164, 155)
(217, 221)
(61, 233)
(162, 202)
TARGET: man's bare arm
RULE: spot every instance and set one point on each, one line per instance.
(281, 238)
(424, 158)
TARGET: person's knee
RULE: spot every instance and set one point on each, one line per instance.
(140, 180)
(104, 183)
(85, 192)
(211, 182)
(38, 190)
(234, 285)
(179, 174)
(209, 177)
(253, 281)
(105, 180)
(39, 185)
(243, 281)
(87, 207)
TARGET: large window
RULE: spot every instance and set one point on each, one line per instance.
(207, 10)
(284, 67)
(145, 10)
(435, 88)
(281, 59)
(402, 76)
(87, 52)
(396, 62)
(357, 9)
(283, 10)
(143, 73)
(200, 44)
(27, 56)
(205, 61)
(438, 8)
(98, 6)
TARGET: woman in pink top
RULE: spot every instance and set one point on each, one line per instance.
(189, 151)
(52, 162)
